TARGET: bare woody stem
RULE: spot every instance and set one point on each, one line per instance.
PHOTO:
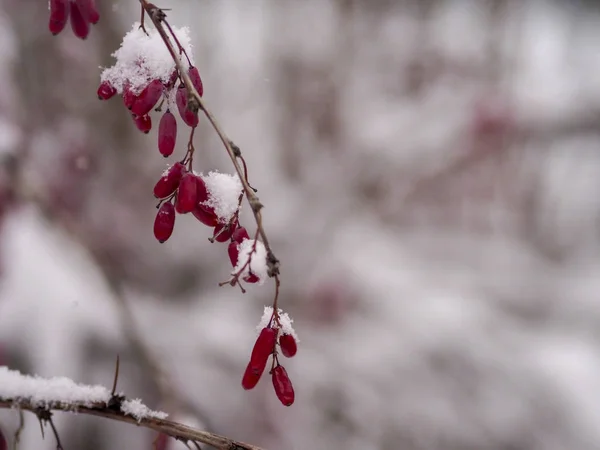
(195, 102)
(173, 429)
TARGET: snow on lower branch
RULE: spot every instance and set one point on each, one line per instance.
(64, 392)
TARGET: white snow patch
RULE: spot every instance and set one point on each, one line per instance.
(142, 58)
(258, 260)
(223, 193)
(140, 411)
(285, 320)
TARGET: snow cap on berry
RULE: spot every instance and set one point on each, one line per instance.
(284, 320)
(223, 194)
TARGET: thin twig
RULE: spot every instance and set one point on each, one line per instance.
(19, 430)
(174, 429)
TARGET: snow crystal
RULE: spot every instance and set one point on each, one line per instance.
(284, 319)
(223, 194)
(140, 411)
(142, 58)
(258, 259)
(43, 392)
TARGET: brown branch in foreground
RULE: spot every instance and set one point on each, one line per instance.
(157, 17)
(173, 429)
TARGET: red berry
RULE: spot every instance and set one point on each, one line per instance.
(189, 117)
(204, 215)
(233, 250)
(283, 386)
(240, 235)
(251, 278)
(186, 194)
(164, 222)
(59, 15)
(167, 134)
(196, 80)
(288, 345)
(169, 182)
(128, 96)
(263, 347)
(146, 100)
(144, 123)
(202, 191)
(94, 15)
(106, 90)
(223, 232)
(79, 22)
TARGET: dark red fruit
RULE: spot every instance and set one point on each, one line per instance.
(59, 15)
(233, 250)
(240, 235)
(173, 79)
(94, 15)
(186, 194)
(263, 347)
(169, 182)
(146, 100)
(128, 96)
(223, 232)
(106, 90)
(189, 117)
(283, 386)
(202, 192)
(79, 22)
(204, 215)
(251, 278)
(167, 133)
(164, 222)
(288, 345)
(144, 123)
(196, 80)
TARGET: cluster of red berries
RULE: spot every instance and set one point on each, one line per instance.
(140, 104)
(265, 346)
(83, 13)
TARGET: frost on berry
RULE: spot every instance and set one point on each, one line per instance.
(181, 100)
(169, 181)
(282, 385)
(187, 197)
(142, 57)
(164, 222)
(288, 346)
(146, 99)
(196, 80)
(79, 21)
(263, 348)
(223, 194)
(256, 251)
(167, 134)
(59, 15)
(223, 232)
(143, 123)
(106, 90)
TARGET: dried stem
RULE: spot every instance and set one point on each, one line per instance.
(173, 429)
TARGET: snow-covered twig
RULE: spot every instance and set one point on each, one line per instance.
(41, 395)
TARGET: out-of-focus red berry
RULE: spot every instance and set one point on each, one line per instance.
(94, 15)
(169, 182)
(59, 15)
(79, 22)
(240, 235)
(164, 222)
(283, 386)
(167, 134)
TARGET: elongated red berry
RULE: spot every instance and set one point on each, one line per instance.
(164, 222)
(223, 232)
(288, 345)
(203, 193)
(263, 347)
(196, 80)
(208, 218)
(59, 15)
(233, 250)
(186, 194)
(167, 134)
(283, 386)
(169, 181)
(146, 99)
(79, 22)
(94, 15)
(128, 96)
(144, 123)
(189, 117)
(106, 90)
(240, 235)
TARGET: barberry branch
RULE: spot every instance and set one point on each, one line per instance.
(173, 429)
(196, 103)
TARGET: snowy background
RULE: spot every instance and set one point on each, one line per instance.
(430, 171)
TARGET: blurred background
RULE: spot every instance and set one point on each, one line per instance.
(430, 172)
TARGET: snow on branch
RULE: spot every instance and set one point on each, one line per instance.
(44, 395)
